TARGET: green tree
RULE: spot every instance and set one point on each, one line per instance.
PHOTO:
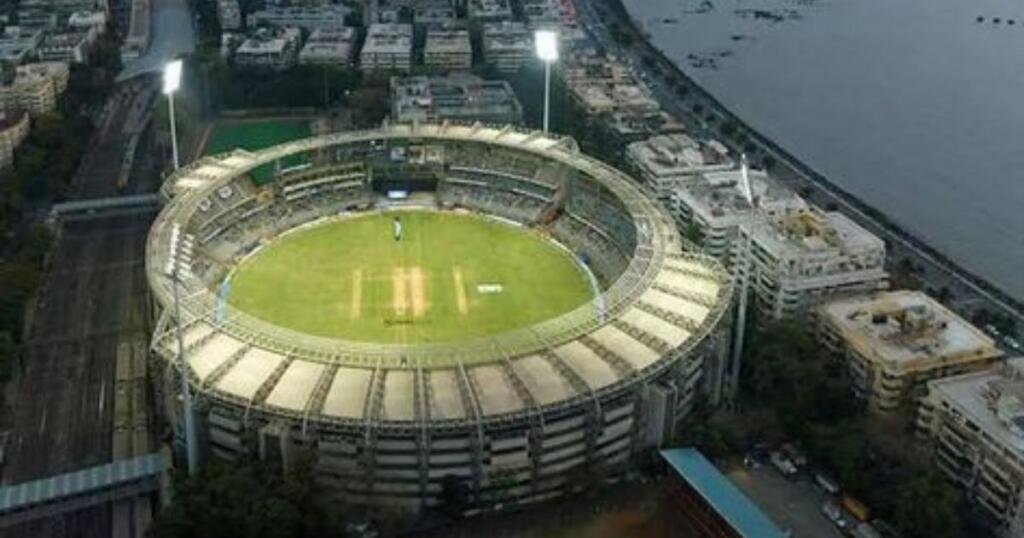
(927, 507)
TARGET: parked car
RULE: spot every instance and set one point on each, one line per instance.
(782, 463)
(834, 514)
(826, 483)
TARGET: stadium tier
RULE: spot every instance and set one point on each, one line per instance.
(515, 415)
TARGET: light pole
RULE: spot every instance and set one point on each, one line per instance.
(172, 81)
(743, 279)
(546, 42)
(180, 254)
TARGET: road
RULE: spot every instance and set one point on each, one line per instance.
(173, 37)
(663, 78)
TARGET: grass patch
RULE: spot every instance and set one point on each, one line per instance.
(257, 135)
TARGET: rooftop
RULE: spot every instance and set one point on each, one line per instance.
(447, 41)
(388, 38)
(906, 330)
(721, 494)
(814, 232)
(678, 155)
(992, 399)
(719, 196)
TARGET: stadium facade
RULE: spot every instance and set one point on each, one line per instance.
(515, 417)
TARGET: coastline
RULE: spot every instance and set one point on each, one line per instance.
(860, 211)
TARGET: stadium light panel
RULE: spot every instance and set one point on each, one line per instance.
(546, 42)
(172, 77)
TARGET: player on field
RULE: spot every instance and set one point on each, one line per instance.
(397, 229)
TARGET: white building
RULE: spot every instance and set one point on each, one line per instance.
(507, 45)
(668, 162)
(490, 10)
(308, 17)
(713, 206)
(894, 342)
(87, 20)
(448, 49)
(329, 46)
(434, 15)
(267, 49)
(13, 131)
(387, 47)
(803, 258)
(229, 14)
(975, 424)
(457, 97)
(34, 88)
(18, 45)
(72, 47)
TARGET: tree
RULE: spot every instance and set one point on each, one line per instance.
(927, 508)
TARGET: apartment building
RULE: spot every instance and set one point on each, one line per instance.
(274, 49)
(488, 11)
(974, 424)
(307, 17)
(229, 14)
(34, 88)
(329, 46)
(894, 342)
(448, 50)
(388, 46)
(712, 206)
(668, 162)
(803, 258)
(507, 45)
(13, 130)
(457, 97)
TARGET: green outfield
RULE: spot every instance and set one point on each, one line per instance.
(451, 277)
(255, 135)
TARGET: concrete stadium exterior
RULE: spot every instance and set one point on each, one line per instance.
(516, 417)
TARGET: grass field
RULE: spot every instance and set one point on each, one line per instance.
(256, 135)
(450, 277)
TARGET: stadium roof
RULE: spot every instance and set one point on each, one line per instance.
(721, 494)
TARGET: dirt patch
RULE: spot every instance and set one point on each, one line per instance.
(399, 292)
(460, 291)
(417, 291)
(357, 295)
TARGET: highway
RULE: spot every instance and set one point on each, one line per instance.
(663, 78)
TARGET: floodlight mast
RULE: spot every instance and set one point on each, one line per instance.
(743, 279)
(180, 253)
(172, 81)
(546, 42)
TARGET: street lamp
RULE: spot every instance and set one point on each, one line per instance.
(177, 262)
(546, 42)
(742, 276)
(172, 81)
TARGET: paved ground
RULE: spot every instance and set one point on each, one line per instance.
(173, 36)
(792, 504)
(629, 511)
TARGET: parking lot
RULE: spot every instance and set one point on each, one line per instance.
(794, 504)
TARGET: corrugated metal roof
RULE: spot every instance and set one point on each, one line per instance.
(80, 482)
(721, 494)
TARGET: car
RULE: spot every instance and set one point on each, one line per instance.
(832, 511)
(826, 483)
(782, 463)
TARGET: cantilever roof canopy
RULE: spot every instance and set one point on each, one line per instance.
(721, 494)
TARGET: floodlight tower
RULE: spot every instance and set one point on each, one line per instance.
(177, 264)
(172, 81)
(546, 42)
(742, 278)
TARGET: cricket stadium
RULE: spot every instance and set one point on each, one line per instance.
(426, 309)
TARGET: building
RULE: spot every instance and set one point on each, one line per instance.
(974, 423)
(448, 50)
(329, 46)
(38, 19)
(894, 342)
(711, 207)
(803, 258)
(34, 88)
(139, 30)
(457, 97)
(507, 45)
(88, 20)
(510, 418)
(229, 14)
(267, 48)
(542, 13)
(19, 45)
(710, 502)
(13, 130)
(488, 11)
(308, 17)
(387, 47)
(71, 47)
(434, 15)
(666, 163)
